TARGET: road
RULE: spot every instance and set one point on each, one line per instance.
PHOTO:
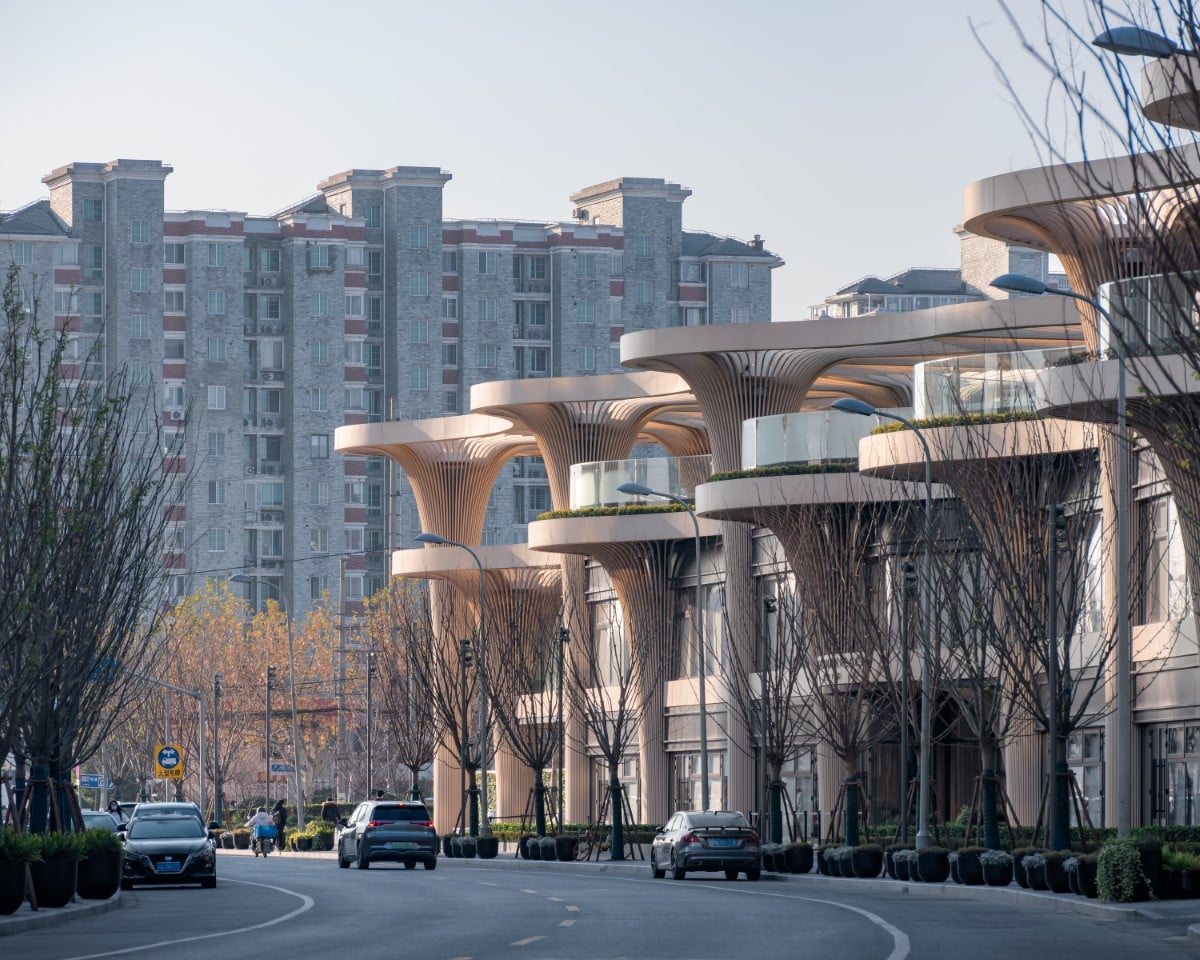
(474, 910)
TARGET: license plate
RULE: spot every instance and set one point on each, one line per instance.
(170, 867)
(722, 842)
(397, 845)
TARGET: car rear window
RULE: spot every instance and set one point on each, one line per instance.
(718, 820)
(165, 829)
(399, 813)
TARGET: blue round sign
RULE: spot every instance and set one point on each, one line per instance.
(168, 758)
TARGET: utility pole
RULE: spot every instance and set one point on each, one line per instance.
(370, 674)
(267, 737)
(216, 754)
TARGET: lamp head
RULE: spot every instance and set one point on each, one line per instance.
(1136, 42)
(430, 538)
(851, 405)
(240, 578)
(636, 489)
(1019, 283)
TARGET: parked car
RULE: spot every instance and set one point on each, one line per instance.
(99, 819)
(172, 809)
(170, 849)
(708, 840)
(396, 830)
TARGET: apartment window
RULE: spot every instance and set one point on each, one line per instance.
(449, 401)
(216, 254)
(354, 398)
(354, 304)
(268, 260)
(139, 327)
(319, 399)
(352, 491)
(216, 350)
(585, 311)
(216, 492)
(645, 292)
(93, 258)
(173, 253)
(319, 351)
(585, 265)
(537, 314)
(318, 446)
(614, 356)
(318, 493)
(139, 231)
(418, 285)
(318, 304)
(449, 261)
(487, 355)
(487, 261)
(418, 330)
(173, 348)
(374, 309)
(318, 540)
(354, 256)
(616, 265)
(418, 236)
(537, 268)
(269, 308)
(93, 211)
(449, 354)
(418, 377)
(216, 396)
(374, 265)
(216, 541)
(22, 254)
(739, 275)
(216, 303)
(539, 360)
(372, 214)
(450, 308)
(586, 359)
(353, 351)
(139, 279)
(67, 254)
(216, 444)
(354, 543)
(486, 307)
(739, 314)
(173, 301)
(320, 256)
(318, 587)
(66, 302)
(643, 247)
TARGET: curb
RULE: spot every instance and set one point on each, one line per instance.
(26, 919)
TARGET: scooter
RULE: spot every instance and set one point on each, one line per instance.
(264, 839)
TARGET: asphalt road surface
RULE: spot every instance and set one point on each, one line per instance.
(295, 908)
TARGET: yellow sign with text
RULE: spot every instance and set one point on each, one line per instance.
(168, 762)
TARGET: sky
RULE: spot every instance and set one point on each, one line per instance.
(842, 132)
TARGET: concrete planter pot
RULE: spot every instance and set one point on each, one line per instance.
(99, 876)
(54, 881)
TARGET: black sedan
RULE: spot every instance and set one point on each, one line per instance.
(708, 840)
(168, 850)
(396, 830)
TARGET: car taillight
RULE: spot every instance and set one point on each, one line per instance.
(690, 838)
(378, 823)
(424, 823)
(753, 838)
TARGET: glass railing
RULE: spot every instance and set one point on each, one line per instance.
(821, 436)
(985, 383)
(595, 484)
(1153, 314)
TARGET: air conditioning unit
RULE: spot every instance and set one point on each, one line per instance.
(268, 376)
(176, 415)
(251, 469)
(268, 421)
(269, 469)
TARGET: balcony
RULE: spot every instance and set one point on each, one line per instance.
(595, 484)
(823, 436)
(1155, 314)
(988, 383)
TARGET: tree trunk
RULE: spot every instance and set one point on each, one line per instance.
(987, 796)
(851, 807)
(617, 847)
(775, 799)
(539, 803)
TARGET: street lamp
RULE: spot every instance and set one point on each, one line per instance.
(851, 405)
(247, 578)
(267, 752)
(485, 829)
(1019, 283)
(1135, 42)
(564, 637)
(216, 757)
(370, 674)
(641, 490)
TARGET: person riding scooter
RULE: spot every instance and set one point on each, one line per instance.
(262, 826)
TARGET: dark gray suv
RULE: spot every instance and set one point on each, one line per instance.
(396, 830)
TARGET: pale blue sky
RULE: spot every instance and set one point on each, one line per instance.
(843, 132)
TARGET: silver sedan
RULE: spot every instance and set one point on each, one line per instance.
(707, 840)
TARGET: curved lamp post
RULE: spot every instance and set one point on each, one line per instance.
(851, 405)
(1019, 283)
(641, 490)
(485, 829)
(247, 578)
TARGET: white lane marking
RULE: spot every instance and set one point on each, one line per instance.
(573, 909)
(571, 923)
(306, 904)
(526, 942)
(529, 891)
(555, 899)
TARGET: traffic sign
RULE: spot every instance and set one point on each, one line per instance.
(94, 781)
(168, 762)
(282, 768)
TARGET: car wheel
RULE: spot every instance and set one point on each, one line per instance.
(208, 883)
(677, 871)
(126, 884)
(655, 870)
(431, 863)
(730, 874)
(754, 873)
(410, 864)
(362, 862)
(344, 864)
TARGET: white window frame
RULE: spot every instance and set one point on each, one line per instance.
(216, 396)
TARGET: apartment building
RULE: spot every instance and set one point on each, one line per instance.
(358, 304)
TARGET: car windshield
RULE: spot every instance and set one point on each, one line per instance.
(101, 819)
(171, 809)
(175, 828)
(717, 820)
(399, 813)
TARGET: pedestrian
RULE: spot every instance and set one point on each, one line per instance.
(330, 812)
(114, 808)
(279, 812)
(378, 794)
